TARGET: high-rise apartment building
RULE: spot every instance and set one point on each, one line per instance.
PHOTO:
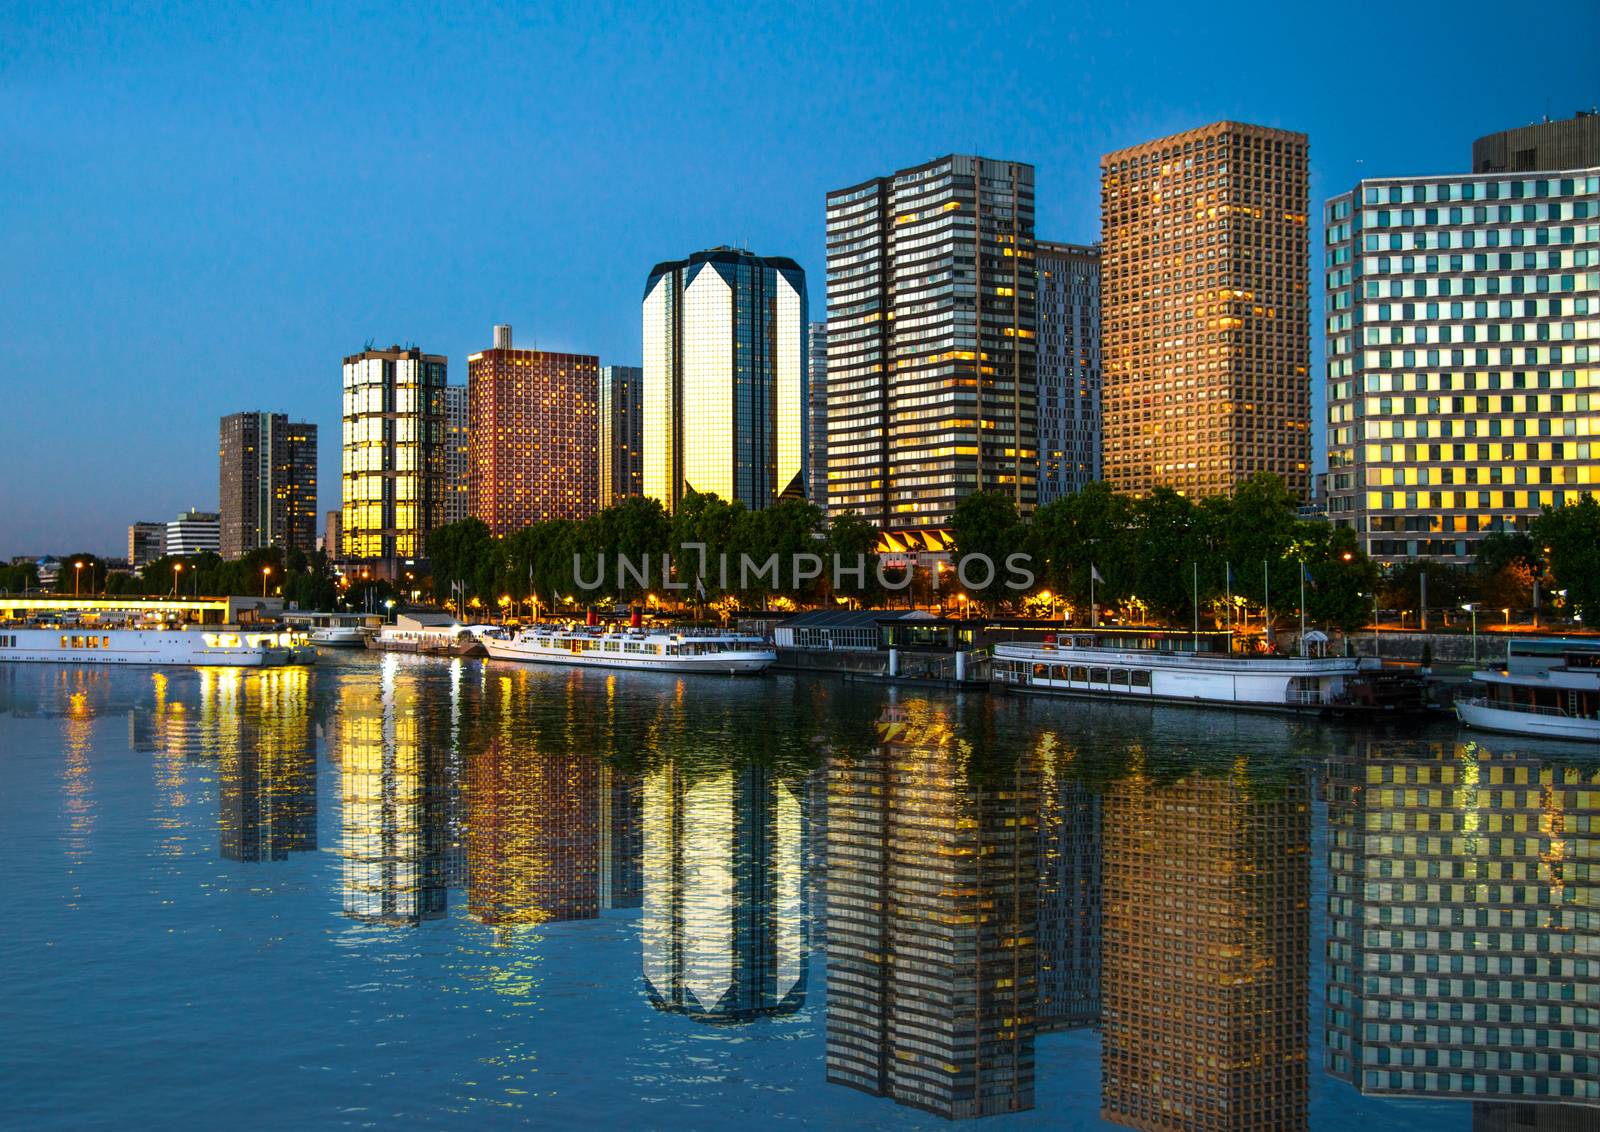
(933, 890)
(457, 455)
(817, 414)
(725, 378)
(1570, 143)
(194, 532)
(1206, 952)
(534, 435)
(1205, 312)
(394, 453)
(1463, 927)
(932, 383)
(724, 927)
(268, 489)
(146, 543)
(621, 415)
(1463, 332)
(1069, 368)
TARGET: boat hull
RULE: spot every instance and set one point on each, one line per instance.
(742, 663)
(132, 646)
(337, 638)
(1484, 717)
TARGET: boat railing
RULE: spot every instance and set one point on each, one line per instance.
(1305, 696)
(1529, 709)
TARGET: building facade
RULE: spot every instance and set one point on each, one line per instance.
(194, 532)
(817, 415)
(534, 435)
(932, 349)
(394, 453)
(146, 543)
(457, 455)
(621, 415)
(725, 378)
(1571, 143)
(1069, 368)
(268, 483)
(1205, 311)
(1462, 342)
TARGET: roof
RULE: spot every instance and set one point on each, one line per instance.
(854, 618)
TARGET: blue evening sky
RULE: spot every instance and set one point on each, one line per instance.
(203, 208)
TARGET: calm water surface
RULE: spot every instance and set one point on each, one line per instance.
(404, 890)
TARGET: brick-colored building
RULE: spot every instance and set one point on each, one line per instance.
(534, 435)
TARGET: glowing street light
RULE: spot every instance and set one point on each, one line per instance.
(265, 572)
(177, 568)
(1472, 608)
(77, 576)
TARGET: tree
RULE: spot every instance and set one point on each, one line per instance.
(1572, 534)
(1088, 529)
(986, 525)
(853, 540)
(19, 578)
(464, 553)
(87, 580)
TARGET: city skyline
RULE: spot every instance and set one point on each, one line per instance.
(162, 286)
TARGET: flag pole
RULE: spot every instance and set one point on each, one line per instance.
(1266, 601)
(1302, 607)
(1197, 605)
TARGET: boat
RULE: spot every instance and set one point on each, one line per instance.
(1545, 693)
(103, 644)
(1081, 665)
(646, 650)
(435, 634)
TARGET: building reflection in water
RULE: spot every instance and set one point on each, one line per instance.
(1071, 904)
(724, 922)
(394, 792)
(1206, 951)
(1464, 929)
(933, 912)
(267, 773)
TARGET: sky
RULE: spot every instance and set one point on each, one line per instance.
(204, 208)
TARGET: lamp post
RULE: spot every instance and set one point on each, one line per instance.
(389, 605)
(266, 571)
(77, 577)
(1472, 608)
(177, 568)
(1507, 612)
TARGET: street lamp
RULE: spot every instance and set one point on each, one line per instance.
(389, 605)
(77, 576)
(265, 571)
(1472, 608)
(1507, 612)
(177, 568)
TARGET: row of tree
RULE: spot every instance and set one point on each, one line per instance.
(304, 579)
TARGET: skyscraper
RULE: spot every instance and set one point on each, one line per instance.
(1069, 368)
(725, 378)
(394, 453)
(146, 543)
(933, 890)
(621, 412)
(1461, 378)
(932, 384)
(457, 455)
(1206, 954)
(1205, 314)
(1570, 143)
(268, 492)
(534, 435)
(817, 412)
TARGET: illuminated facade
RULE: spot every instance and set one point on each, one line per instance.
(724, 928)
(1069, 368)
(1205, 311)
(1463, 355)
(268, 489)
(394, 453)
(817, 412)
(933, 887)
(725, 378)
(1464, 925)
(457, 455)
(1206, 953)
(928, 269)
(534, 434)
(621, 415)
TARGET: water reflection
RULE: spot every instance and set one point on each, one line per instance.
(1464, 928)
(267, 771)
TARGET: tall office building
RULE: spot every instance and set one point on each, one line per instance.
(1569, 143)
(194, 532)
(817, 413)
(1206, 954)
(268, 494)
(1463, 925)
(621, 414)
(724, 924)
(457, 456)
(725, 378)
(1205, 314)
(1461, 351)
(394, 454)
(146, 543)
(534, 435)
(933, 887)
(1069, 368)
(932, 385)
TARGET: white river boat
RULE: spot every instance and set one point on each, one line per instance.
(206, 646)
(693, 651)
(1549, 697)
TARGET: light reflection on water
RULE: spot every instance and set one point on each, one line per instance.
(394, 889)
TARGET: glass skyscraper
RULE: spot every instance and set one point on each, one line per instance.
(817, 407)
(1069, 368)
(268, 483)
(621, 433)
(394, 452)
(1463, 328)
(725, 378)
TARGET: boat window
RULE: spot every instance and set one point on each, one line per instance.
(1041, 671)
(1097, 675)
(1141, 679)
(1119, 676)
(1080, 673)
(66, 642)
(77, 642)
(105, 642)
(1059, 672)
